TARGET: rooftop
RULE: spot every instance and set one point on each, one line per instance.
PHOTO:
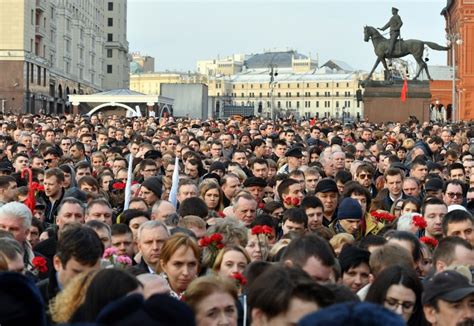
(282, 59)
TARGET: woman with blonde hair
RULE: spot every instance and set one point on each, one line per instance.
(65, 304)
(340, 240)
(231, 260)
(213, 301)
(179, 262)
(97, 160)
(211, 193)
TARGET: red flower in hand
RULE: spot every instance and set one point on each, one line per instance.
(383, 216)
(221, 214)
(288, 200)
(214, 241)
(261, 229)
(430, 242)
(39, 263)
(295, 201)
(419, 222)
(241, 280)
(261, 205)
(119, 186)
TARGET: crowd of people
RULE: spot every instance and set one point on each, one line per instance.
(111, 220)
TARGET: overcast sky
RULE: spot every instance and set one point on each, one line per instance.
(178, 33)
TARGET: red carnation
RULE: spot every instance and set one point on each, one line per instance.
(119, 186)
(383, 216)
(429, 241)
(288, 200)
(216, 237)
(267, 229)
(221, 214)
(261, 205)
(204, 241)
(257, 229)
(419, 222)
(241, 280)
(295, 201)
(39, 263)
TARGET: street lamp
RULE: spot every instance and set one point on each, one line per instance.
(273, 74)
(453, 40)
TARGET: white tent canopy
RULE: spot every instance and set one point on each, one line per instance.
(123, 98)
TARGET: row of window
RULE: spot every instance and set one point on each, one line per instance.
(288, 94)
(218, 85)
(307, 104)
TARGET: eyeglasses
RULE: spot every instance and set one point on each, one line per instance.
(454, 194)
(365, 176)
(393, 304)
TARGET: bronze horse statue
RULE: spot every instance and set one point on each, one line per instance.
(401, 49)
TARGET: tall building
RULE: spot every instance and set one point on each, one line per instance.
(142, 64)
(50, 49)
(117, 60)
(298, 86)
(459, 17)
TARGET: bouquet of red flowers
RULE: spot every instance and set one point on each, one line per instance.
(383, 216)
(292, 201)
(429, 241)
(39, 265)
(419, 222)
(239, 278)
(211, 244)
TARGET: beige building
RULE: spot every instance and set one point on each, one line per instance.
(299, 87)
(52, 48)
(151, 83)
(117, 59)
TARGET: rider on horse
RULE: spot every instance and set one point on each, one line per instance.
(395, 23)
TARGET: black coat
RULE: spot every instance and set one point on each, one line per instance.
(49, 287)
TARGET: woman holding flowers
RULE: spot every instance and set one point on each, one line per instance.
(257, 246)
(231, 260)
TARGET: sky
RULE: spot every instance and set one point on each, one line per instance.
(178, 33)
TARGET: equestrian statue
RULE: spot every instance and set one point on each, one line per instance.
(396, 47)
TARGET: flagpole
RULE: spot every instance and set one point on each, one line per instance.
(128, 187)
(175, 183)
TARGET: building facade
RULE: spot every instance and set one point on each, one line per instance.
(150, 83)
(298, 87)
(117, 59)
(48, 50)
(459, 15)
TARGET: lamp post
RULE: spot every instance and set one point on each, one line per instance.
(273, 74)
(453, 40)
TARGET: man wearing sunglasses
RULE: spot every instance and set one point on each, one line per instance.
(453, 193)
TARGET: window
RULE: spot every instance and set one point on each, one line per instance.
(81, 73)
(109, 69)
(68, 46)
(110, 37)
(110, 6)
(109, 53)
(317, 104)
(44, 76)
(68, 67)
(110, 22)
(68, 24)
(39, 76)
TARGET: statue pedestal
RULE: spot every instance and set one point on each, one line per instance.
(382, 101)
